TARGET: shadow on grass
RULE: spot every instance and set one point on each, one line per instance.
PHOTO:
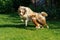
(21, 26)
(29, 27)
(54, 26)
(51, 27)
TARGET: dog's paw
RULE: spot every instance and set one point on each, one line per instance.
(48, 27)
(22, 20)
(38, 27)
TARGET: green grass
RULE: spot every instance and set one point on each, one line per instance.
(11, 28)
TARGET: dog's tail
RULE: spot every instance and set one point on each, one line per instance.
(44, 14)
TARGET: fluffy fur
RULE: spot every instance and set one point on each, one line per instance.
(37, 18)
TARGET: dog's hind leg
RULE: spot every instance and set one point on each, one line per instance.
(43, 23)
(35, 22)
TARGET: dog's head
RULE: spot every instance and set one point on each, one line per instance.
(21, 11)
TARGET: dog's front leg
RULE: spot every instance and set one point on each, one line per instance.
(26, 21)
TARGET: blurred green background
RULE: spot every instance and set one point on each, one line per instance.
(52, 7)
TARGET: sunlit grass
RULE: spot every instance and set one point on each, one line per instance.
(12, 29)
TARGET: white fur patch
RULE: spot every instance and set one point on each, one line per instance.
(21, 13)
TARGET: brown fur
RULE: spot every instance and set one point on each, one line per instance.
(44, 14)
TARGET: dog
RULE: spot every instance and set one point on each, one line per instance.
(37, 18)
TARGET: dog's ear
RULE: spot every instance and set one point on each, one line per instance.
(25, 11)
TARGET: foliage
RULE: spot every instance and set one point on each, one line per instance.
(6, 5)
(12, 6)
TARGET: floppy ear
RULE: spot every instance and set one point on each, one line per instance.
(25, 10)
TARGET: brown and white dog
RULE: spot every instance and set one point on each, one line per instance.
(37, 18)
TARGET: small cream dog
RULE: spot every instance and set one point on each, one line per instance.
(37, 18)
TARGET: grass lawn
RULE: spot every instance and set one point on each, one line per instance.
(11, 28)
